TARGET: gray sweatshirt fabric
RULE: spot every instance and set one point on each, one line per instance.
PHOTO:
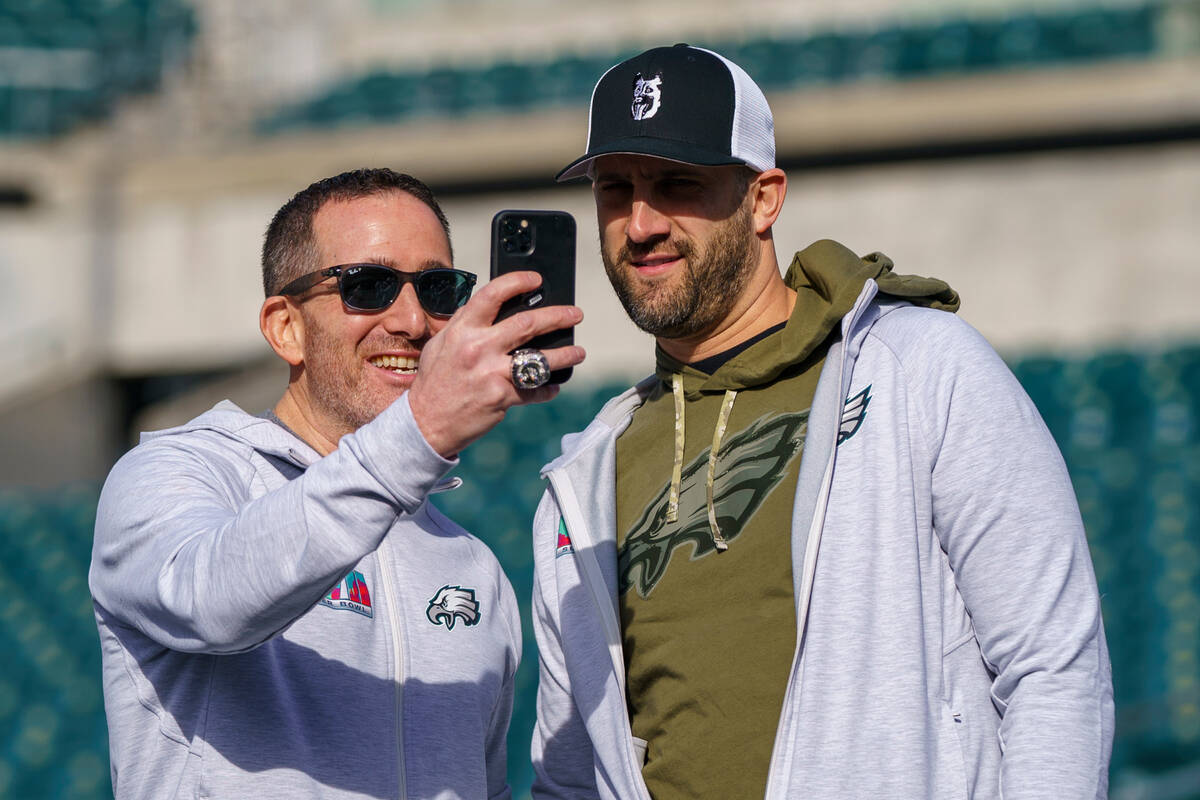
(949, 640)
(280, 625)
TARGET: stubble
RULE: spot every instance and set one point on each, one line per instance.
(693, 302)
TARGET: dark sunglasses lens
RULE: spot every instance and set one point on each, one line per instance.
(443, 291)
(369, 288)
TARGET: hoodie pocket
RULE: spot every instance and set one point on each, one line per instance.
(969, 711)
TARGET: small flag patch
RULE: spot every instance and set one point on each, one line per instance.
(564, 540)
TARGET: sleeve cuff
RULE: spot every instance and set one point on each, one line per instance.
(392, 448)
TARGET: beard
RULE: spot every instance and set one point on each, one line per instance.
(337, 381)
(697, 299)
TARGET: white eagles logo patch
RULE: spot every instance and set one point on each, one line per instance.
(853, 414)
(450, 603)
(647, 96)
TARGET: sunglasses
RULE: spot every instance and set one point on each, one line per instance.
(374, 287)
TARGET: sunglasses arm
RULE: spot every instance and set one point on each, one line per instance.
(306, 282)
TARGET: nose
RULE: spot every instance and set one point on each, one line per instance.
(405, 317)
(646, 222)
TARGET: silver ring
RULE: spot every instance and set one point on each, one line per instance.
(529, 368)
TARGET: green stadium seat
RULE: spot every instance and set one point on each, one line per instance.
(953, 46)
(388, 96)
(1120, 379)
(570, 79)
(879, 54)
(1021, 41)
(441, 91)
(1108, 32)
(509, 86)
(822, 58)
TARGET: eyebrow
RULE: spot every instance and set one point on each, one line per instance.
(384, 261)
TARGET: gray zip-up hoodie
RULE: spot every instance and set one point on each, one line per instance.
(949, 635)
(276, 624)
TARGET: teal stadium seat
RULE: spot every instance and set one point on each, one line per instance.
(783, 60)
(953, 46)
(131, 44)
(387, 96)
(50, 699)
(508, 86)
(569, 79)
(441, 91)
(822, 58)
(879, 54)
(1020, 41)
(1119, 381)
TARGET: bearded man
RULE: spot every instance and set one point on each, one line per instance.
(828, 549)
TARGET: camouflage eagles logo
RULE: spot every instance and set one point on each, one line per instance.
(752, 463)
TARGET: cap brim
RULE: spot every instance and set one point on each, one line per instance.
(682, 152)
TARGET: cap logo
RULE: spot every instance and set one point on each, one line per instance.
(647, 96)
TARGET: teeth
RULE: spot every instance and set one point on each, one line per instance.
(397, 363)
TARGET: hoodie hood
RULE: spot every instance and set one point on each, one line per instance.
(827, 278)
(260, 433)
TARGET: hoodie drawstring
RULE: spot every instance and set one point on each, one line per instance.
(677, 467)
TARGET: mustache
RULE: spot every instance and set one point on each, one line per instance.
(395, 343)
(632, 251)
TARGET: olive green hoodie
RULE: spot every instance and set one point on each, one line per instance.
(691, 620)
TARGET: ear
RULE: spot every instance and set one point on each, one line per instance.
(767, 192)
(283, 328)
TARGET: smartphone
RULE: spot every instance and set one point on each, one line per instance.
(542, 241)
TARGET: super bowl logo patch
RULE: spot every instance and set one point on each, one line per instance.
(452, 603)
(350, 594)
(647, 96)
(564, 545)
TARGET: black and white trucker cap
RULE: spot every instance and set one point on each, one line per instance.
(682, 103)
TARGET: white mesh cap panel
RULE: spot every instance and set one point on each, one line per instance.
(753, 125)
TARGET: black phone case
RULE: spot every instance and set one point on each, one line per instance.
(542, 241)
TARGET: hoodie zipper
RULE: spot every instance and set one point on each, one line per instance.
(569, 507)
(393, 603)
(779, 773)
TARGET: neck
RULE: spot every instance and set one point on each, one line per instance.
(766, 302)
(297, 415)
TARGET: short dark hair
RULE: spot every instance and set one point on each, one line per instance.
(290, 248)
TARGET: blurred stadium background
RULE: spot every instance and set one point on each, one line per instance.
(1044, 157)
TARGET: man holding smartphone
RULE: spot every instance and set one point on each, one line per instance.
(281, 611)
(829, 549)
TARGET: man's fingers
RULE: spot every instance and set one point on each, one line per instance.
(520, 328)
(485, 304)
(563, 357)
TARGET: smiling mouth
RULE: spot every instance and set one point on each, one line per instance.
(653, 263)
(400, 365)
